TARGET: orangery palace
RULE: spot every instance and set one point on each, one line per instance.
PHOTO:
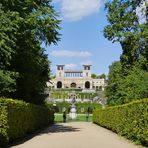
(76, 79)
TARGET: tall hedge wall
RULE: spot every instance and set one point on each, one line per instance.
(130, 120)
(18, 118)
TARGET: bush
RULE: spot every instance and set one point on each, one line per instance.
(84, 107)
(60, 107)
(130, 120)
(80, 107)
(18, 118)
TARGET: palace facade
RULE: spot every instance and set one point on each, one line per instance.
(75, 79)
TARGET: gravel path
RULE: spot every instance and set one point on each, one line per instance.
(76, 135)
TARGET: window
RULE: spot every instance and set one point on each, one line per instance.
(59, 84)
(86, 74)
(87, 84)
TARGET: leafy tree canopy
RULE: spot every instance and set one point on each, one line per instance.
(123, 89)
(94, 76)
(126, 27)
(25, 26)
(102, 76)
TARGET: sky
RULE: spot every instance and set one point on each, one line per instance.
(82, 41)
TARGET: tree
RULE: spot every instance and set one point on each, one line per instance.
(94, 76)
(126, 28)
(102, 76)
(123, 89)
(128, 78)
(37, 23)
(7, 83)
(134, 85)
(113, 83)
(8, 28)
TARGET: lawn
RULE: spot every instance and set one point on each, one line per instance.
(81, 118)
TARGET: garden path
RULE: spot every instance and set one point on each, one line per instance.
(76, 135)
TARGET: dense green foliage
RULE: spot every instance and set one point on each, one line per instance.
(130, 28)
(18, 118)
(102, 76)
(60, 107)
(84, 107)
(7, 82)
(130, 120)
(81, 108)
(8, 25)
(123, 89)
(25, 25)
(128, 25)
(113, 82)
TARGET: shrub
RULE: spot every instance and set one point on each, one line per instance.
(130, 120)
(79, 107)
(85, 106)
(18, 118)
(60, 107)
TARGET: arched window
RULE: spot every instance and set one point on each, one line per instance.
(59, 84)
(87, 84)
(73, 85)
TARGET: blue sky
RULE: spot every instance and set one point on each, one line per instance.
(82, 40)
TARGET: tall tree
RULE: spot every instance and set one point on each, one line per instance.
(113, 83)
(134, 85)
(122, 89)
(8, 29)
(37, 24)
(127, 28)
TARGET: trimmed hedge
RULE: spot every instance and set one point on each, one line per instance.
(60, 106)
(129, 120)
(86, 105)
(18, 118)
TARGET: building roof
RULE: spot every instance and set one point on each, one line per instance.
(60, 65)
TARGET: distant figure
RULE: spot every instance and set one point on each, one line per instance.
(87, 116)
(64, 116)
(89, 110)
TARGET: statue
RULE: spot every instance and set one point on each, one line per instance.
(73, 112)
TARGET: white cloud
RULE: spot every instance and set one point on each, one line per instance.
(70, 54)
(74, 10)
(70, 66)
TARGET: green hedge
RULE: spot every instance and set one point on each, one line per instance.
(60, 107)
(18, 118)
(64, 95)
(86, 105)
(130, 120)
